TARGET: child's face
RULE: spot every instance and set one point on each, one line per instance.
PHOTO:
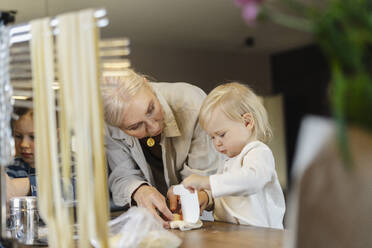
(230, 136)
(24, 138)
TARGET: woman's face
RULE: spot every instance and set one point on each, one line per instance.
(24, 138)
(143, 115)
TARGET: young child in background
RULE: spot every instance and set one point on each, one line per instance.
(20, 178)
(246, 190)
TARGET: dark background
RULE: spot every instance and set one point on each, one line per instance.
(302, 76)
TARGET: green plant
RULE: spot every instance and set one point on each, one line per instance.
(343, 29)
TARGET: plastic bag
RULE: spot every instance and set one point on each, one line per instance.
(138, 228)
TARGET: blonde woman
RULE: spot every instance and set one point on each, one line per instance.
(153, 141)
(246, 189)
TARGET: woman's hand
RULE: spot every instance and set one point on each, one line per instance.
(196, 182)
(149, 197)
(174, 201)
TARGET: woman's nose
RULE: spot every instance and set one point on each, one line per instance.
(152, 126)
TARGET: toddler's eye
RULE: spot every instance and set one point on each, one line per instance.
(222, 135)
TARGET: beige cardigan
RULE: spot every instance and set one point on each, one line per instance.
(186, 148)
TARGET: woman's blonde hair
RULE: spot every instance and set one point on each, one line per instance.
(235, 100)
(116, 91)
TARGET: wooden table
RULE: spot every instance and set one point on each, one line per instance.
(221, 234)
(225, 235)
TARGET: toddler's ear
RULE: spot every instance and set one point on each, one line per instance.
(248, 120)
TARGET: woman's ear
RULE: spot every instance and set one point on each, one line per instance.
(248, 120)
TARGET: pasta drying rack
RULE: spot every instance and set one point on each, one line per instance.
(16, 87)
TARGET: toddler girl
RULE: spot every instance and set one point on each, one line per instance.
(246, 189)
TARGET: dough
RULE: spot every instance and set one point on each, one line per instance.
(184, 226)
(177, 217)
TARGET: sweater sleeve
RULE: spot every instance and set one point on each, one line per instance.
(255, 170)
(125, 176)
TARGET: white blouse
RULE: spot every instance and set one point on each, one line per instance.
(246, 189)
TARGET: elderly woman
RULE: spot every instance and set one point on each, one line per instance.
(153, 141)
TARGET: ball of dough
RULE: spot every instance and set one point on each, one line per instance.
(177, 217)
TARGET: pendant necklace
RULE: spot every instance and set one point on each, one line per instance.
(150, 142)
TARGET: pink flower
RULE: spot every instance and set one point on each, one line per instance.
(241, 3)
(251, 9)
(250, 12)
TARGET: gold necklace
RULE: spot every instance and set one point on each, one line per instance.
(150, 142)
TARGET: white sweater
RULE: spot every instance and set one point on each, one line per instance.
(247, 190)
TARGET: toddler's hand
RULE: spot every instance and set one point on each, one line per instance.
(203, 200)
(197, 182)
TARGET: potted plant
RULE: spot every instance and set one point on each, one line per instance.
(331, 200)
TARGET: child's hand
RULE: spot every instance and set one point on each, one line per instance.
(203, 200)
(196, 182)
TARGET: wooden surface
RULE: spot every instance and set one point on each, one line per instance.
(220, 234)
(225, 235)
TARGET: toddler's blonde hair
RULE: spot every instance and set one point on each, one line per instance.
(236, 99)
(116, 91)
